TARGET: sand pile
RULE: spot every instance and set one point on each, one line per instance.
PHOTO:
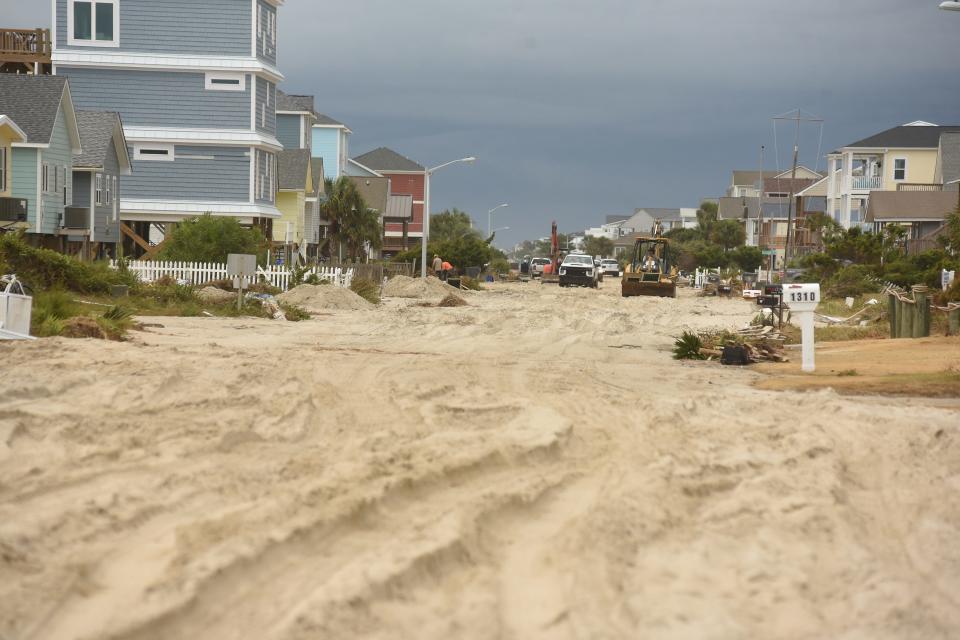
(406, 287)
(318, 298)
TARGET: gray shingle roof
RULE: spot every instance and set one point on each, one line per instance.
(286, 102)
(384, 159)
(96, 136)
(910, 205)
(32, 102)
(327, 120)
(292, 169)
(906, 137)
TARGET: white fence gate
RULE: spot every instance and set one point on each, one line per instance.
(198, 273)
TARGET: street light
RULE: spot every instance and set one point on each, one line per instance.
(950, 5)
(490, 217)
(426, 209)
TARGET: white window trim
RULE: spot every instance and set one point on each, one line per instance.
(98, 189)
(139, 148)
(210, 85)
(109, 193)
(45, 178)
(116, 201)
(73, 42)
(3, 169)
(905, 163)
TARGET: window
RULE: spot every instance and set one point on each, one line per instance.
(99, 188)
(778, 195)
(109, 198)
(3, 168)
(116, 197)
(225, 82)
(900, 169)
(93, 23)
(154, 152)
(45, 178)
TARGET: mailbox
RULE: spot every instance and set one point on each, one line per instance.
(803, 300)
(801, 297)
(768, 301)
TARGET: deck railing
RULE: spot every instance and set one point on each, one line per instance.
(867, 182)
(25, 45)
(919, 186)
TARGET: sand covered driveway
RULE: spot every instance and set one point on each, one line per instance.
(533, 465)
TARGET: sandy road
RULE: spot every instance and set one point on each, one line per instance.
(531, 466)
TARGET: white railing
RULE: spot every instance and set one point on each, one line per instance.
(864, 182)
(198, 273)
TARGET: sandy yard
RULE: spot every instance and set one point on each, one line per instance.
(533, 465)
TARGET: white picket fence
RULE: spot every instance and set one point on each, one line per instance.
(198, 273)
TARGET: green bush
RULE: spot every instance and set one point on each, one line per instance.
(210, 238)
(687, 347)
(851, 281)
(366, 289)
(50, 309)
(45, 269)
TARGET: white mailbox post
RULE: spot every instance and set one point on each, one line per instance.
(802, 299)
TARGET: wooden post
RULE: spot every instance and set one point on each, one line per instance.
(921, 317)
(892, 309)
(906, 319)
(953, 320)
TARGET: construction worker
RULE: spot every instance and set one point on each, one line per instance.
(650, 263)
(446, 268)
(437, 266)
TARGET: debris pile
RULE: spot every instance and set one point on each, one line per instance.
(452, 300)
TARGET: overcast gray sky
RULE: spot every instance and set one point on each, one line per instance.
(580, 109)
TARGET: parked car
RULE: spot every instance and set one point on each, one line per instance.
(578, 270)
(537, 265)
(610, 267)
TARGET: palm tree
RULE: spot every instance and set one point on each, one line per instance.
(341, 199)
(361, 229)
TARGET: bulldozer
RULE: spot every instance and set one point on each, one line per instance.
(651, 271)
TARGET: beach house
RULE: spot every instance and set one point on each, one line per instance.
(40, 137)
(331, 142)
(93, 218)
(195, 84)
(407, 178)
(903, 158)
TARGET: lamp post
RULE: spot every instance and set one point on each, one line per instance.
(490, 217)
(426, 209)
(950, 5)
(498, 229)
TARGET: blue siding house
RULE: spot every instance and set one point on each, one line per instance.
(331, 141)
(195, 84)
(41, 166)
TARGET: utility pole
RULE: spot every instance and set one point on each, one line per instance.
(760, 209)
(798, 118)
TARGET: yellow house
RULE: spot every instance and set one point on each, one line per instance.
(10, 208)
(903, 158)
(294, 238)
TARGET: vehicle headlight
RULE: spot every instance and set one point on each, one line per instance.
(589, 272)
(563, 271)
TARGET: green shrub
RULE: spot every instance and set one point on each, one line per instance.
(294, 313)
(470, 283)
(366, 289)
(687, 347)
(852, 281)
(45, 269)
(210, 238)
(50, 309)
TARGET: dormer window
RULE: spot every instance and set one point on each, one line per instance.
(93, 23)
